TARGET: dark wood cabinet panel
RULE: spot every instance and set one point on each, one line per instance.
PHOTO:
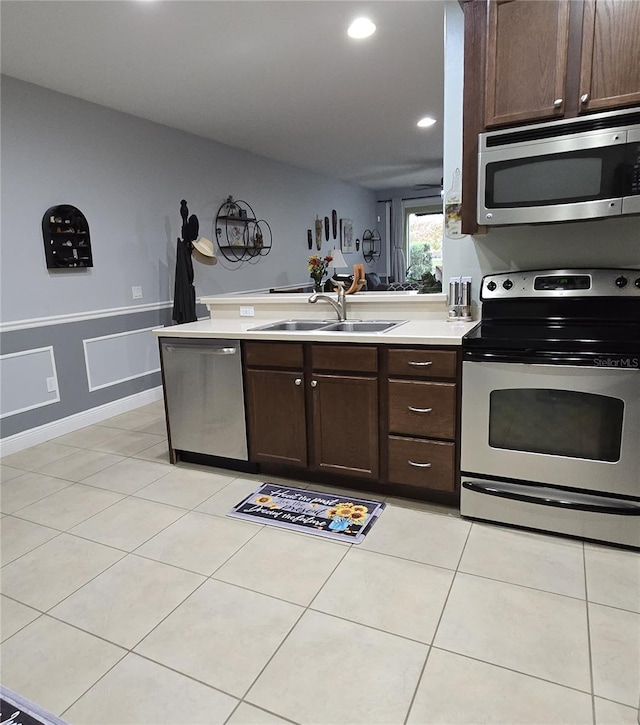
(427, 464)
(526, 61)
(276, 417)
(422, 409)
(345, 420)
(610, 67)
(354, 411)
(359, 358)
(422, 363)
(273, 354)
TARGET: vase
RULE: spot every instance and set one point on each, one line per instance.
(339, 524)
(317, 286)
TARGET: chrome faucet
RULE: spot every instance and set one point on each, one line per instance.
(340, 306)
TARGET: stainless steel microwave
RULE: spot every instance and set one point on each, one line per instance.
(581, 168)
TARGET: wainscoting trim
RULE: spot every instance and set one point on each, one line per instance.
(56, 428)
(49, 401)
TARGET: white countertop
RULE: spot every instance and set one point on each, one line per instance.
(425, 314)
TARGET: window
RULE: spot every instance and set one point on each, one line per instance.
(423, 240)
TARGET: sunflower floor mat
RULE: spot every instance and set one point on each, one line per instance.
(313, 512)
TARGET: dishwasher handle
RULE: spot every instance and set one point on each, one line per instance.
(202, 348)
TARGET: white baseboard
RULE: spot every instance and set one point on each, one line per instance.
(33, 436)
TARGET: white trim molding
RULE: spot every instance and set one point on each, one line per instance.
(80, 316)
(54, 375)
(88, 341)
(57, 428)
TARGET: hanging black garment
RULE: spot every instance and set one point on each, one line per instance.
(184, 295)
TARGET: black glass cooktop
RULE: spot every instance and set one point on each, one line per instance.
(582, 337)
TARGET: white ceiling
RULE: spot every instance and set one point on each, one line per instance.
(279, 78)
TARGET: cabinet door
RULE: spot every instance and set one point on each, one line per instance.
(527, 43)
(610, 68)
(345, 420)
(276, 417)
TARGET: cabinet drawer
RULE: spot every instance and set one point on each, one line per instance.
(423, 363)
(422, 409)
(273, 354)
(428, 464)
(358, 358)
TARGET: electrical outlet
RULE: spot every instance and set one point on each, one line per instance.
(247, 312)
(51, 385)
(137, 293)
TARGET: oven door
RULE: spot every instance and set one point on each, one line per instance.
(555, 424)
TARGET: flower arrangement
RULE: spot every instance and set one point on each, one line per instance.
(317, 267)
(346, 514)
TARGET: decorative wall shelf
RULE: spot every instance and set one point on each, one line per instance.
(370, 245)
(240, 235)
(67, 243)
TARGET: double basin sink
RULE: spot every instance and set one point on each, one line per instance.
(324, 326)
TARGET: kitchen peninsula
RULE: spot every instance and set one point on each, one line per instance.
(369, 409)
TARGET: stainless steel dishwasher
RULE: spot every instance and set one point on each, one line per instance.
(204, 398)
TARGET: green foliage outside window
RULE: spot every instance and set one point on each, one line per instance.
(425, 245)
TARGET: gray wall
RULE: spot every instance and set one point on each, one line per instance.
(598, 243)
(127, 176)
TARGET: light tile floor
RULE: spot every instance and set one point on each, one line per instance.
(129, 598)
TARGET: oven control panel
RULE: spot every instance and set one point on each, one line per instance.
(562, 283)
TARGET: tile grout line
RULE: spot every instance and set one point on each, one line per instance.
(435, 630)
(57, 534)
(258, 707)
(588, 622)
(522, 586)
(308, 607)
(517, 672)
(295, 624)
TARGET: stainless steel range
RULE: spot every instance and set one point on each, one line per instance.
(551, 404)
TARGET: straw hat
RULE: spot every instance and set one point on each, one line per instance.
(203, 251)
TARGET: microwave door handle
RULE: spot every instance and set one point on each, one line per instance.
(543, 147)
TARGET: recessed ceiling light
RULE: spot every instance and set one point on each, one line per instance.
(426, 122)
(361, 28)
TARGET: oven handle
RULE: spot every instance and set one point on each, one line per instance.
(536, 357)
(553, 497)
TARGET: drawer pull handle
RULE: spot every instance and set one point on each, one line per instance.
(420, 364)
(419, 465)
(419, 410)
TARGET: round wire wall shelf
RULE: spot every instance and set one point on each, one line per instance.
(370, 245)
(240, 235)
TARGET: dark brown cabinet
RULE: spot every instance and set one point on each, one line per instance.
(535, 52)
(277, 417)
(610, 67)
(528, 61)
(276, 410)
(338, 395)
(422, 418)
(387, 415)
(344, 388)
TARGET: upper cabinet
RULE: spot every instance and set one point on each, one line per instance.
(528, 61)
(610, 67)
